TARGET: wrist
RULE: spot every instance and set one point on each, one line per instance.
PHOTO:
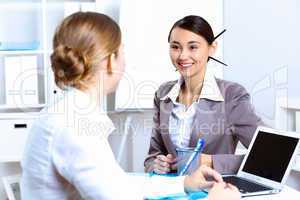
(187, 184)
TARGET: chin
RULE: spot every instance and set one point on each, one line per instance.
(186, 74)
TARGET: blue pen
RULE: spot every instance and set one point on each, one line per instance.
(197, 149)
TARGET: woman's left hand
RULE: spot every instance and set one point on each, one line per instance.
(204, 177)
(224, 191)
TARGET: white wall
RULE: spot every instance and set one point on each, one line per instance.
(262, 48)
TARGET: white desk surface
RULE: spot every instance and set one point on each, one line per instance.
(287, 193)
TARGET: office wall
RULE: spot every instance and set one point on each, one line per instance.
(262, 48)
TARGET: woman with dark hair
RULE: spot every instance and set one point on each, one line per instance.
(198, 105)
(67, 154)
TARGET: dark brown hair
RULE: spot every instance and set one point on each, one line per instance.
(197, 25)
(80, 42)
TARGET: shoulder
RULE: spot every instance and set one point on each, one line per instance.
(165, 88)
(232, 90)
(50, 119)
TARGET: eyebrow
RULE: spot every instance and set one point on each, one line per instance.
(190, 42)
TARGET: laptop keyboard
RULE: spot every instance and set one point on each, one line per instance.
(243, 185)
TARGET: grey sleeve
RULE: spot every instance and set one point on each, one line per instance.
(156, 143)
(243, 122)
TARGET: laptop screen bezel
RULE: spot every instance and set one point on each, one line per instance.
(265, 181)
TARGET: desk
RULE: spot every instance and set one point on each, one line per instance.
(287, 193)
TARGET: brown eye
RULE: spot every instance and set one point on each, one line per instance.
(175, 47)
(193, 47)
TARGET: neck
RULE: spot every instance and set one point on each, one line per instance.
(193, 84)
(96, 95)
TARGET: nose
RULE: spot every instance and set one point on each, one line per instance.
(183, 54)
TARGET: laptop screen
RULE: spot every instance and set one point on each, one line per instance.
(270, 155)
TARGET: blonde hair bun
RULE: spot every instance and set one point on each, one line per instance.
(71, 65)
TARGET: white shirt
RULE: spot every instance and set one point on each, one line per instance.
(67, 156)
(181, 119)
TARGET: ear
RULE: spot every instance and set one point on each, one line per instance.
(111, 63)
(213, 48)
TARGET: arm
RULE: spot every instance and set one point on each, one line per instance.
(244, 122)
(88, 164)
(156, 143)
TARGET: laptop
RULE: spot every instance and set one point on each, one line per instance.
(267, 164)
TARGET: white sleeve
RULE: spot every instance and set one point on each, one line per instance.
(159, 186)
(88, 163)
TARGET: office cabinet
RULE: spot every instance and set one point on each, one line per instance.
(26, 80)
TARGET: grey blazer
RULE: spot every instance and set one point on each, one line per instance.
(220, 124)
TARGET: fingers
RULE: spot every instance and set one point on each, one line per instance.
(160, 171)
(232, 187)
(228, 186)
(224, 191)
(163, 164)
(221, 185)
(174, 166)
(161, 167)
(209, 172)
(169, 158)
(206, 185)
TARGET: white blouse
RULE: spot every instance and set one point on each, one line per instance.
(181, 118)
(67, 156)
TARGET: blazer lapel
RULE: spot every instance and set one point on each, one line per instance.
(166, 108)
(200, 119)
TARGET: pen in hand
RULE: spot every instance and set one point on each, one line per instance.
(197, 150)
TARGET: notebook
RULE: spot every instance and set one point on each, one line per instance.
(267, 163)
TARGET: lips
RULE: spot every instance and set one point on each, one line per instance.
(185, 65)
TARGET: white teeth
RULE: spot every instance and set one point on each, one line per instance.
(186, 65)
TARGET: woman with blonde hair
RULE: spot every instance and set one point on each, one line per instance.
(67, 155)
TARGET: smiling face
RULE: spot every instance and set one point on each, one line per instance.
(189, 52)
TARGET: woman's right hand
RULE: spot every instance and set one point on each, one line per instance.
(164, 164)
